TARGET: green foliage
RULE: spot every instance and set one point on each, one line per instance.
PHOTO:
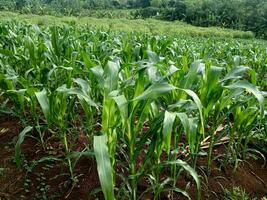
(19, 142)
(103, 166)
(7, 5)
(244, 15)
(236, 193)
(150, 26)
(145, 94)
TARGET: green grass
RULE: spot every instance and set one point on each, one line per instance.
(2, 172)
(236, 193)
(152, 26)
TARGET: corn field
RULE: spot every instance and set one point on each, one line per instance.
(146, 104)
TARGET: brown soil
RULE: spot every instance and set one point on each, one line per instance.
(51, 178)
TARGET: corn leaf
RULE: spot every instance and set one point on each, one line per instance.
(235, 73)
(104, 166)
(199, 105)
(19, 142)
(251, 89)
(189, 170)
(155, 90)
(168, 122)
(44, 102)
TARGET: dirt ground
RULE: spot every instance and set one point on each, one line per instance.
(50, 179)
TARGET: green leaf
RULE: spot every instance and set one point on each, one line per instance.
(44, 102)
(190, 127)
(104, 166)
(168, 122)
(98, 72)
(6, 52)
(152, 56)
(251, 89)
(122, 103)
(191, 171)
(178, 190)
(185, 121)
(235, 73)
(213, 76)
(155, 90)
(191, 76)
(111, 76)
(199, 105)
(81, 94)
(87, 61)
(19, 142)
(49, 158)
(237, 60)
(83, 83)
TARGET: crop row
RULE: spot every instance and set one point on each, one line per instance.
(147, 104)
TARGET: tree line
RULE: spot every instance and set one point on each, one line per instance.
(247, 15)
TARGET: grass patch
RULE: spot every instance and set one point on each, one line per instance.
(236, 193)
(151, 26)
(2, 171)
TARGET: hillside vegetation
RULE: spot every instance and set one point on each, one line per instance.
(150, 26)
(247, 15)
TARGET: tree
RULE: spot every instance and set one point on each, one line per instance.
(20, 4)
(142, 3)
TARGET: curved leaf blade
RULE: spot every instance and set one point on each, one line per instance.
(104, 166)
(19, 142)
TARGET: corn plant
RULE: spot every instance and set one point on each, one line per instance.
(147, 103)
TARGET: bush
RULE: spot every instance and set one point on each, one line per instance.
(146, 12)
